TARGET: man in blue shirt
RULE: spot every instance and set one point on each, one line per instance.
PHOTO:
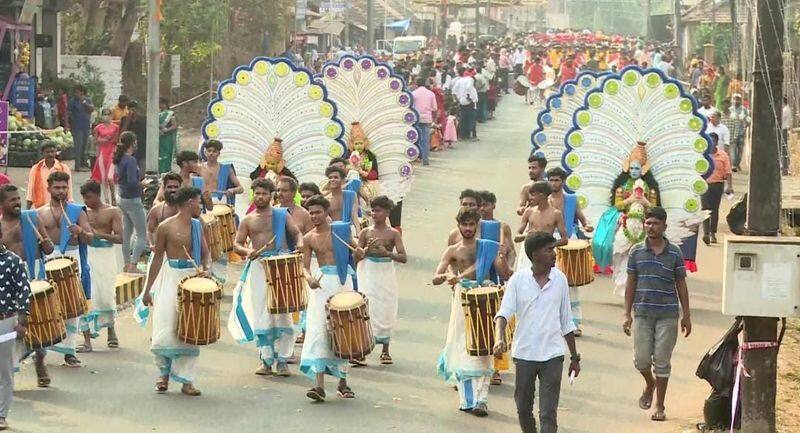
(655, 286)
(80, 111)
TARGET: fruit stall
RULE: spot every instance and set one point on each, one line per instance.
(25, 140)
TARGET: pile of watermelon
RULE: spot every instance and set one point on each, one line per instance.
(24, 136)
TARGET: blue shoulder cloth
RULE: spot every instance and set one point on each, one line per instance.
(197, 245)
(73, 212)
(223, 182)
(570, 209)
(279, 215)
(486, 252)
(348, 201)
(30, 243)
(355, 186)
(340, 251)
(490, 229)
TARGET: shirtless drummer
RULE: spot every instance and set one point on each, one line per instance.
(540, 217)
(458, 267)
(14, 238)
(337, 196)
(105, 258)
(536, 166)
(265, 232)
(220, 179)
(317, 358)
(160, 211)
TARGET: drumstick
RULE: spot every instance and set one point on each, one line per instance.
(350, 247)
(64, 212)
(198, 268)
(35, 229)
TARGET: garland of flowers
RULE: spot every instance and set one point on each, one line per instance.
(633, 239)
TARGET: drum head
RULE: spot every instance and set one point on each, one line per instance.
(58, 263)
(199, 285)
(208, 219)
(38, 287)
(576, 244)
(346, 300)
(484, 290)
(283, 257)
(221, 209)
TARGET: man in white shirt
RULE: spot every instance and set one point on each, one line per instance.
(463, 88)
(539, 297)
(519, 61)
(706, 108)
(715, 126)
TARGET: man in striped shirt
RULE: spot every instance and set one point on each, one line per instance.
(656, 284)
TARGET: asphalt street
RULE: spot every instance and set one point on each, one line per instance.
(114, 390)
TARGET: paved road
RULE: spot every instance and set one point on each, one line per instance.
(114, 389)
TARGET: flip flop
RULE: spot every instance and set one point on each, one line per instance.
(72, 361)
(645, 401)
(162, 385)
(113, 343)
(658, 415)
(83, 348)
(386, 359)
(345, 392)
(190, 390)
(496, 379)
(317, 394)
(43, 382)
(358, 363)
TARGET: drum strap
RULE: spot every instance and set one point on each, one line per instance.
(28, 220)
(74, 210)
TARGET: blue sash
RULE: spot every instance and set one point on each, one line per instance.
(490, 230)
(348, 201)
(355, 186)
(486, 252)
(570, 208)
(197, 237)
(73, 211)
(279, 215)
(30, 243)
(341, 253)
(603, 240)
(223, 181)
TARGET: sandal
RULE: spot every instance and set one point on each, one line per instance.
(386, 359)
(646, 401)
(496, 379)
(113, 343)
(300, 338)
(190, 390)
(72, 361)
(83, 348)
(658, 415)
(317, 394)
(162, 384)
(345, 392)
(358, 362)
(42, 379)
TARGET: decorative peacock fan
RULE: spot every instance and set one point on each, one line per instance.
(638, 106)
(368, 92)
(272, 99)
(555, 120)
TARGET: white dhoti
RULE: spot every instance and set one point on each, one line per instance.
(68, 344)
(106, 262)
(300, 327)
(173, 357)
(317, 356)
(378, 282)
(523, 262)
(471, 374)
(250, 318)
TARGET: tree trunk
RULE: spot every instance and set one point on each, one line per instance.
(121, 39)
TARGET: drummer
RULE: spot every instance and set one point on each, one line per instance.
(343, 203)
(334, 276)
(536, 165)
(488, 205)
(69, 223)
(459, 268)
(540, 217)
(270, 232)
(220, 179)
(376, 274)
(160, 211)
(468, 199)
(308, 190)
(567, 204)
(287, 190)
(177, 237)
(105, 259)
(191, 176)
(19, 235)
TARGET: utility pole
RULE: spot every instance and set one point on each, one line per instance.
(153, 80)
(737, 56)
(370, 26)
(677, 29)
(763, 208)
(477, 19)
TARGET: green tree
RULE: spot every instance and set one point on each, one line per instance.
(720, 35)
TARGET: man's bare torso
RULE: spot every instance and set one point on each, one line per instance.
(543, 220)
(375, 238)
(102, 220)
(320, 241)
(12, 234)
(259, 229)
(301, 218)
(178, 238)
(462, 256)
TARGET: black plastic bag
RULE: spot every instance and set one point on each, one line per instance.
(738, 216)
(717, 412)
(718, 365)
